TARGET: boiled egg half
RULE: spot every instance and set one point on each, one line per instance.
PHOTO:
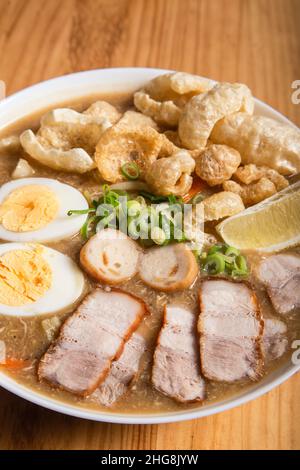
(35, 280)
(36, 210)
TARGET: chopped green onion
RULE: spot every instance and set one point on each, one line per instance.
(241, 263)
(152, 197)
(232, 252)
(222, 258)
(130, 170)
(144, 225)
(85, 228)
(215, 248)
(141, 201)
(106, 188)
(239, 273)
(229, 267)
(134, 208)
(133, 230)
(227, 259)
(158, 236)
(80, 212)
(111, 198)
(105, 222)
(214, 264)
(103, 210)
(199, 197)
(172, 199)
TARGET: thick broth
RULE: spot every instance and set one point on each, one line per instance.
(25, 338)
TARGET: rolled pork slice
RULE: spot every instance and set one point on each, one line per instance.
(280, 274)
(230, 326)
(169, 268)
(123, 372)
(176, 368)
(110, 256)
(90, 339)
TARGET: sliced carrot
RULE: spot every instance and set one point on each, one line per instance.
(11, 363)
(197, 186)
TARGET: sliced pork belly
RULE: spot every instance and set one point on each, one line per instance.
(176, 369)
(90, 340)
(281, 276)
(122, 373)
(230, 328)
(275, 341)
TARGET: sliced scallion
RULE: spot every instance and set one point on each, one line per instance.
(198, 198)
(241, 263)
(215, 248)
(232, 252)
(134, 208)
(130, 170)
(158, 235)
(80, 212)
(214, 264)
(85, 228)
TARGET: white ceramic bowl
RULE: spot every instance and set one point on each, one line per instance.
(78, 85)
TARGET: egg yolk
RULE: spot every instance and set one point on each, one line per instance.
(28, 208)
(25, 276)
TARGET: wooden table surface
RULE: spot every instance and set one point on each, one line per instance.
(251, 41)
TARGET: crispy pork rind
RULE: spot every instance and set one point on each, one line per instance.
(166, 113)
(173, 137)
(66, 128)
(164, 96)
(186, 83)
(66, 140)
(22, 170)
(252, 193)
(173, 86)
(171, 175)
(10, 144)
(203, 111)
(75, 160)
(250, 173)
(98, 113)
(119, 145)
(133, 119)
(217, 163)
(261, 140)
(103, 110)
(220, 205)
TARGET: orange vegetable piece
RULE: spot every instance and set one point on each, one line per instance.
(197, 186)
(12, 363)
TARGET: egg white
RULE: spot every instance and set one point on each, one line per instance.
(67, 286)
(63, 226)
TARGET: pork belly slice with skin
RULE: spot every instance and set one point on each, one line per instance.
(230, 327)
(176, 369)
(280, 274)
(275, 341)
(90, 339)
(123, 372)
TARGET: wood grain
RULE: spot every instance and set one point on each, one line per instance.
(251, 41)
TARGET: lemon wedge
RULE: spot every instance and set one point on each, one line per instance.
(271, 225)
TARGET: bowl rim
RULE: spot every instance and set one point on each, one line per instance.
(41, 399)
